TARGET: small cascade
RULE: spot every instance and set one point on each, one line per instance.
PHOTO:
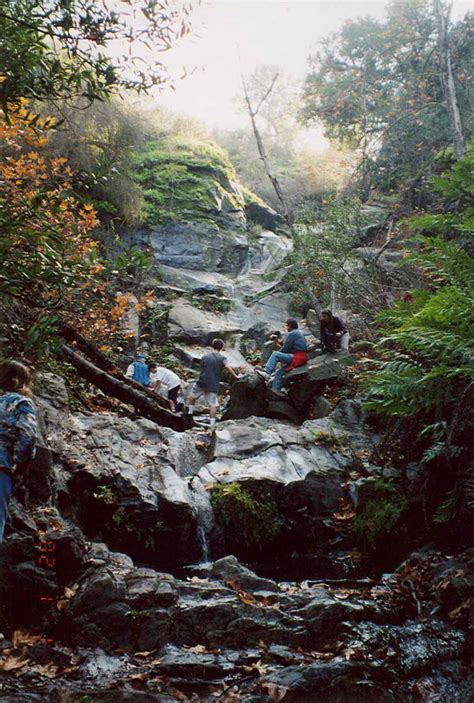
(204, 542)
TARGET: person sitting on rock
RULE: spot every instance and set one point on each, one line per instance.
(292, 353)
(333, 332)
(139, 371)
(166, 383)
(18, 429)
(207, 384)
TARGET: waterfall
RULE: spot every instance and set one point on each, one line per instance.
(203, 541)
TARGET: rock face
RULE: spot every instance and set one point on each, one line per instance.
(186, 635)
(250, 397)
(198, 246)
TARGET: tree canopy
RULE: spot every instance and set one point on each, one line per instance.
(378, 85)
(72, 48)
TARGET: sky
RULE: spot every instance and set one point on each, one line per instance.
(276, 32)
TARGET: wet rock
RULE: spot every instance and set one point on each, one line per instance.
(212, 622)
(282, 409)
(146, 588)
(229, 569)
(321, 408)
(324, 613)
(410, 648)
(340, 681)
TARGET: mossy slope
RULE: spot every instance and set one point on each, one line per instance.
(186, 178)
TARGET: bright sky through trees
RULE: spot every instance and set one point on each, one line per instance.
(278, 32)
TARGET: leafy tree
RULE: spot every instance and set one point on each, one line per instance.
(379, 86)
(60, 48)
(50, 265)
(326, 269)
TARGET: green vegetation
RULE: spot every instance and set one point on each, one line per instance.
(185, 178)
(56, 49)
(380, 83)
(248, 522)
(105, 494)
(426, 375)
(380, 516)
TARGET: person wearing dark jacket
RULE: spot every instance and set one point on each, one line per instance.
(207, 385)
(333, 332)
(294, 345)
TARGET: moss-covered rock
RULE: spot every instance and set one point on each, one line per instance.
(187, 179)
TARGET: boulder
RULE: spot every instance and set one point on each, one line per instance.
(248, 396)
(229, 569)
(119, 481)
(266, 216)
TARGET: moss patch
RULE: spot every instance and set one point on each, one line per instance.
(249, 522)
(185, 178)
(380, 517)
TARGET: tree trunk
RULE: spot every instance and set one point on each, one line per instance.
(261, 150)
(144, 403)
(447, 78)
(102, 362)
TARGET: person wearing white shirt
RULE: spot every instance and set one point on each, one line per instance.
(166, 383)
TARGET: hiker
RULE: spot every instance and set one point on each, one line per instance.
(18, 429)
(139, 371)
(207, 384)
(333, 332)
(293, 353)
(166, 383)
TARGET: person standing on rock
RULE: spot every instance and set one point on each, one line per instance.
(293, 353)
(333, 332)
(18, 429)
(139, 371)
(212, 365)
(165, 382)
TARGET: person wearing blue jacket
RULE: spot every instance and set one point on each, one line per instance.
(293, 342)
(139, 371)
(18, 429)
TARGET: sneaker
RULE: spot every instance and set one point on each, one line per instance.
(263, 374)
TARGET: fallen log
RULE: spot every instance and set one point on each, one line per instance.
(144, 404)
(100, 360)
(90, 350)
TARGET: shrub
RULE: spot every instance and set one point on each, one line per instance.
(380, 515)
(247, 521)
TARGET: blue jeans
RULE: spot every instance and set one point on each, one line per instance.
(285, 360)
(5, 493)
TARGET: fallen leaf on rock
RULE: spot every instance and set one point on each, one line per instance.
(354, 653)
(144, 654)
(21, 638)
(257, 668)
(179, 695)
(67, 595)
(276, 693)
(199, 444)
(50, 670)
(12, 663)
(347, 514)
